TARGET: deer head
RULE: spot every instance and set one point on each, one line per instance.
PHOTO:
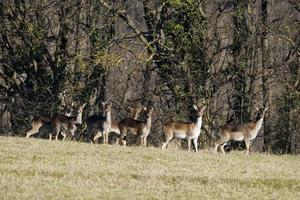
(199, 110)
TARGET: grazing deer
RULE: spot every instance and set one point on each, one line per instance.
(184, 130)
(139, 128)
(246, 131)
(59, 121)
(100, 125)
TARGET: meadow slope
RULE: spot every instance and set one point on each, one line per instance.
(40, 169)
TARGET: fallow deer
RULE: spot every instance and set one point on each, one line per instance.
(184, 130)
(100, 125)
(246, 131)
(137, 127)
(57, 122)
(115, 128)
(36, 124)
(134, 114)
(62, 124)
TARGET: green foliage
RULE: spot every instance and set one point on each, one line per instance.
(185, 55)
(106, 61)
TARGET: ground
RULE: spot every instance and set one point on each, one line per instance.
(42, 169)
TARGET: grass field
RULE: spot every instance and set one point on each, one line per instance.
(40, 169)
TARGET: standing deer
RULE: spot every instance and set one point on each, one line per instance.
(62, 124)
(58, 122)
(134, 114)
(139, 128)
(36, 124)
(184, 130)
(100, 125)
(246, 131)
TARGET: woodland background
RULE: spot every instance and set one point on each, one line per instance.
(231, 55)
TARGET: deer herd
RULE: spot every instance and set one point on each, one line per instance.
(101, 125)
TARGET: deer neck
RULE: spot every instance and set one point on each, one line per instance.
(135, 115)
(258, 124)
(148, 122)
(199, 122)
(79, 118)
(108, 117)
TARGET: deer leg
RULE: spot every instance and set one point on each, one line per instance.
(216, 147)
(222, 148)
(189, 144)
(195, 141)
(50, 136)
(145, 141)
(56, 135)
(72, 132)
(247, 142)
(64, 135)
(98, 134)
(121, 142)
(104, 135)
(165, 144)
(89, 134)
(56, 130)
(122, 137)
(218, 143)
(142, 141)
(31, 132)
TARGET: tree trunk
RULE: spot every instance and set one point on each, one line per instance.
(264, 64)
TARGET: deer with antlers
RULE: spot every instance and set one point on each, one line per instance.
(246, 131)
(137, 127)
(184, 130)
(60, 124)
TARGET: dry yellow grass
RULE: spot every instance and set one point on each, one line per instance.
(39, 169)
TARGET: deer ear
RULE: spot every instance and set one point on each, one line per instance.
(195, 107)
(103, 103)
(203, 108)
(130, 108)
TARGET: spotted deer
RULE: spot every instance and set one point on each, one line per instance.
(60, 124)
(137, 127)
(184, 130)
(243, 132)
